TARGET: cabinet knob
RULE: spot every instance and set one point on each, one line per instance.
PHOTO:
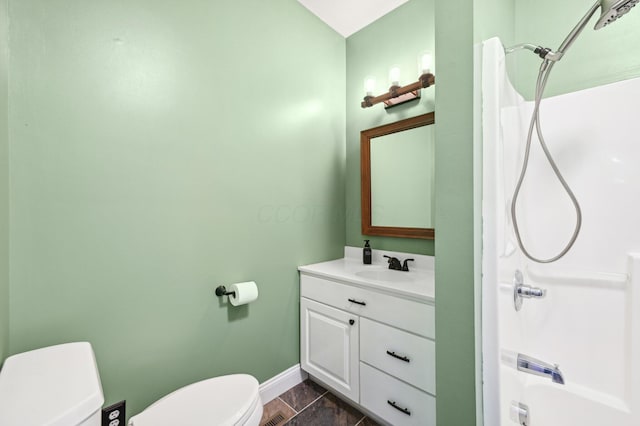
(352, 321)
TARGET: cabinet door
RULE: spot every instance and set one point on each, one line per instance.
(329, 346)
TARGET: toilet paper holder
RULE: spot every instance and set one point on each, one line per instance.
(222, 291)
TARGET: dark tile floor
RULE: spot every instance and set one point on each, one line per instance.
(309, 404)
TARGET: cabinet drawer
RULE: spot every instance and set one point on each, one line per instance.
(409, 315)
(395, 401)
(406, 356)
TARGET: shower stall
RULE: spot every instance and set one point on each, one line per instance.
(561, 340)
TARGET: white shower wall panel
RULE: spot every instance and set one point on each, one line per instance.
(589, 322)
(594, 137)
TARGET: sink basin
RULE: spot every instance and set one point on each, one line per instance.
(385, 275)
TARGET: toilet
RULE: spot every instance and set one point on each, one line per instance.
(53, 386)
(60, 386)
(231, 400)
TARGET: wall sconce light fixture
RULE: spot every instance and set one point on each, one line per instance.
(400, 94)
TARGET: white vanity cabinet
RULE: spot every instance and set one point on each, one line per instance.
(374, 347)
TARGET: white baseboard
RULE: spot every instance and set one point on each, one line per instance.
(281, 383)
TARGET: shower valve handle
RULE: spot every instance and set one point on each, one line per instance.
(531, 292)
(522, 291)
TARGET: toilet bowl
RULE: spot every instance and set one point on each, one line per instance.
(231, 400)
(53, 386)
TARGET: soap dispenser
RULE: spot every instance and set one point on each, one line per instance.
(366, 253)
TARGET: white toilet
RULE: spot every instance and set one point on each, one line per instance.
(60, 386)
(231, 400)
(53, 386)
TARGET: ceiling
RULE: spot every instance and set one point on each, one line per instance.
(350, 16)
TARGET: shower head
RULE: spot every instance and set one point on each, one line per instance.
(612, 10)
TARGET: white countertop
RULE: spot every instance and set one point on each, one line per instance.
(417, 284)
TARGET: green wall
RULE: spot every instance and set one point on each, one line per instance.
(4, 181)
(455, 348)
(494, 18)
(596, 58)
(396, 38)
(158, 150)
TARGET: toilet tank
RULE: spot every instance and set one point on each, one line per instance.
(53, 386)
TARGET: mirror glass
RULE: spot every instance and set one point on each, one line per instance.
(397, 172)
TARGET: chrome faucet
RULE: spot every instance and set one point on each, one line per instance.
(540, 368)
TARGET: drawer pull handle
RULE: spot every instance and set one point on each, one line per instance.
(357, 302)
(394, 405)
(352, 321)
(400, 357)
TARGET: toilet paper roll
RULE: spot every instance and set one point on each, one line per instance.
(244, 293)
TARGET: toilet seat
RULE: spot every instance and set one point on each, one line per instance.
(226, 401)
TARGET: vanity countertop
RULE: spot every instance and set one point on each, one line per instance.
(417, 284)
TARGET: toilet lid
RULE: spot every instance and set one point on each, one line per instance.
(225, 401)
(54, 386)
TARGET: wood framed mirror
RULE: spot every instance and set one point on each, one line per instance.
(397, 178)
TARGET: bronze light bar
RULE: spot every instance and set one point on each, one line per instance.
(398, 95)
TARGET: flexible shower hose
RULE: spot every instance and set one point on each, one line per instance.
(541, 83)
